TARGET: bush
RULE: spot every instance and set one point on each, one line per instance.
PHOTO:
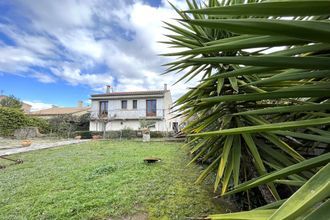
(42, 124)
(157, 134)
(66, 125)
(112, 134)
(12, 119)
(62, 125)
(82, 122)
(128, 133)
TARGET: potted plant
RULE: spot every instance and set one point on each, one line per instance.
(26, 143)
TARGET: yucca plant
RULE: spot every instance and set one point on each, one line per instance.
(262, 101)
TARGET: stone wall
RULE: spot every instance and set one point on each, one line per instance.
(27, 132)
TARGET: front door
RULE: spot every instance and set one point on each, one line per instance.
(151, 107)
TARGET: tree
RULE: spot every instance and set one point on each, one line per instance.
(263, 95)
(11, 102)
(63, 125)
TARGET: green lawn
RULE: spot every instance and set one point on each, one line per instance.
(103, 180)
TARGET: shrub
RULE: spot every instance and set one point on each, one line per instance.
(63, 125)
(42, 124)
(157, 134)
(66, 125)
(13, 118)
(82, 122)
(128, 133)
(112, 134)
(10, 120)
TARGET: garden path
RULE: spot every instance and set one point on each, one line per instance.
(37, 146)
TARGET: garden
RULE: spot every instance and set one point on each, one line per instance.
(257, 125)
(105, 180)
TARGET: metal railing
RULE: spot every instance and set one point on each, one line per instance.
(128, 114)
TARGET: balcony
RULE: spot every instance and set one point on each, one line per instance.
(124, 114)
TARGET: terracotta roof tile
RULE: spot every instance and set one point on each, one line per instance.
(60, 111)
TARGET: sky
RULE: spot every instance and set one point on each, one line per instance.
(59, 52)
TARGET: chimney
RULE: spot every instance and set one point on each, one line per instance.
(80, 104)
(165, 87)
(108, 90)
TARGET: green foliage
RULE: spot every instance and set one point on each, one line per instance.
(263, 95)
(11, 102)
(112, 134)
(157, 134)
(12, 119)
(42, 124)
(62, 125)
(66, 125)
(82, 122)
(128, 133)
(308, 203)
(104, 180)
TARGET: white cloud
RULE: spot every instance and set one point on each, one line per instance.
(75, 77)
(59, 14)
(71, 38)
(44, 78)
(37, 105)
(15, 60)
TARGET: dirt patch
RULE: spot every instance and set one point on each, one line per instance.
(137, 216)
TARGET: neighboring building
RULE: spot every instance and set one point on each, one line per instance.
(120, 110)
(57, 111)
(25, 107)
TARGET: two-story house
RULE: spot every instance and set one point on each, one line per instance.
(120, 110)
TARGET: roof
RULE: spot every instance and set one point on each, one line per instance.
(60, 111)
(134, 93)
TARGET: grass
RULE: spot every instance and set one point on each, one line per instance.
(102, 180)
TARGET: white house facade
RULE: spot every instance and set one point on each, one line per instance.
(121, 110)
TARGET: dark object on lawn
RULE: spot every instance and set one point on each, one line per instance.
(151, 159)
(18, 161)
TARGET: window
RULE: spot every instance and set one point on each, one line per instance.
(123, 104)
(151, 107)
(103, 108)
(175, 127)
(134, 104)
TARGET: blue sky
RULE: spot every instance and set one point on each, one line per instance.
(59, 52)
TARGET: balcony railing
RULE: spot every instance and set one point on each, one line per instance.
(121, 114)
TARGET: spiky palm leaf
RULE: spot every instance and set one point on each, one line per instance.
(264, 91)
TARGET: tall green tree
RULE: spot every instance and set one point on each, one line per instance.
(11, 102)
(263, 96)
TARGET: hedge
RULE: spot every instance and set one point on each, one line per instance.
(125, 133)
(12, 119)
